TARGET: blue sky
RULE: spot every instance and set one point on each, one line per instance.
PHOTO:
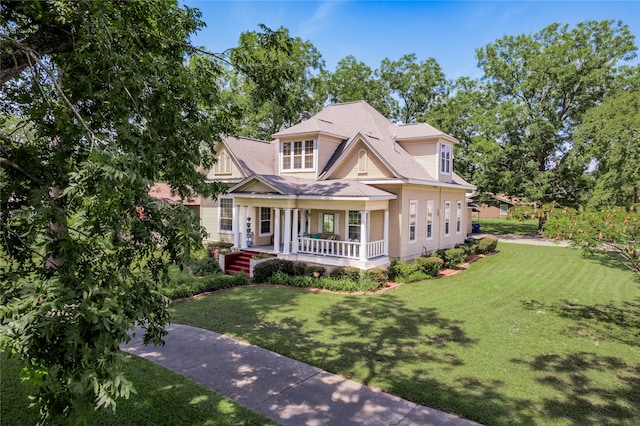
(449, 31)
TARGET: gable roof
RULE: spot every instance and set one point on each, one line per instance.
(354, 121)
(311, 188)
(253, 156)
(162, 191)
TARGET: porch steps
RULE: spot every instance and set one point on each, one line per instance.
(240, 263)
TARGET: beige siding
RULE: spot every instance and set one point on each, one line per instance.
(425, 153)
(349, 169)
(235, 170)
(255, 186)
(376, 225)
(210, 223)
(326, 147)
(399, 246)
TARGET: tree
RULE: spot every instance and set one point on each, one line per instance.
(468, 114)
(614, 232)
(610, 137)
(544, 84)
(276, 80)
(97, 104)
(420, 86)
(354, 81)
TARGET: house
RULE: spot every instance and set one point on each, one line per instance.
(162, 191)
(345, 187)
(495, 206)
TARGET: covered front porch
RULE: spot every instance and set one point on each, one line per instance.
(294, 235)
(331, 223)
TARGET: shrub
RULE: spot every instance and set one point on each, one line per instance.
(487, 245)
(263, 271)
(399, 268)
(430, 265)
(345, 284)
(453, 257)
(349, 272)
(205, 266)
(280, 277)
(378, 275)
(302, 269)
(403, 272)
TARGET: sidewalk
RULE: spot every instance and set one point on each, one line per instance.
(285, 390)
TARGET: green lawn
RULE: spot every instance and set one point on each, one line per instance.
(163, 398)
(531, 335)
(508, 226)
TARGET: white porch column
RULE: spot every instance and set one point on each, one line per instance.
(287, 231)
(276, 231)
(294, 248)
(386, 232)
(363, 235)
(243, 227)
(235, 228)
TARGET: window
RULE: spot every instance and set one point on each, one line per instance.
(328, 222)
(430, 208)
(504, 209)
(445, 159)
(226, 214)
(265, 220)
(447, 218)
(223, 164)
(413, 214)
(458, 217)
(362, 161)
(354, 225)
(297, 155)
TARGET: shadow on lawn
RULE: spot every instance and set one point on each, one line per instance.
(584, 402)
(609, 259)
(376, 340)
(617, 321)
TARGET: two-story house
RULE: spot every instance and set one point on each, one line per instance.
(345, 187)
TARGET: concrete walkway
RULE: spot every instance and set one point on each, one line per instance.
(287, 391)
(525, 239)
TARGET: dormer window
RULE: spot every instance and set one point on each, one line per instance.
(445, 159)
(298, 156)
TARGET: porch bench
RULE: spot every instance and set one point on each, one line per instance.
(326, 236)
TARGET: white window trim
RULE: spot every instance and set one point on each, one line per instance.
(349, 225)
(447, 218)
(362, 161)
(506, 210)
(431, 206)
(458, 217)
(415, 224)
(260, 234)
(220, 230)
(336, 222)
(449, 148)
(303, 169)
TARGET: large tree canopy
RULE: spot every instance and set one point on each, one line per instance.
(419, 86)
(544, 83)
(610, 137)
(275, 78)
(97, 103)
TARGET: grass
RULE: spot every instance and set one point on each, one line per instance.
(508, 226)
(163, 398)
(531, 335)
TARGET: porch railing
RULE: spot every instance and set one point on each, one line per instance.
(349, 249)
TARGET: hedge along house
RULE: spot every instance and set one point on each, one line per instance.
(345, 187)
